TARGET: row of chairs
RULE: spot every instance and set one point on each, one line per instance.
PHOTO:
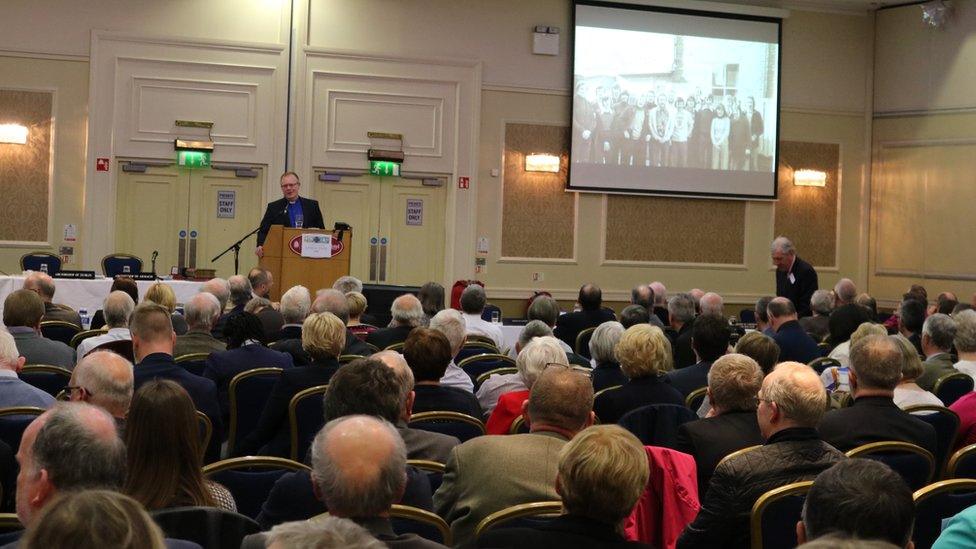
(112, 264)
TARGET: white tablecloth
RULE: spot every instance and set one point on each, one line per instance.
(89, 294)
(511, 335)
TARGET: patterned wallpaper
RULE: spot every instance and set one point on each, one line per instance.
(808, 215)
(25, 169)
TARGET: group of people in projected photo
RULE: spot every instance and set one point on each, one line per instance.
(666, 127)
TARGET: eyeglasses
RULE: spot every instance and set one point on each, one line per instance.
(289, 185)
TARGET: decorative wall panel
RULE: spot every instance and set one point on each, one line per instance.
(25, 170)
(808, 215)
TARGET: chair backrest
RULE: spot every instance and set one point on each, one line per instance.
(657, 424)
(605, 389)
(474, 349)
(346, 359)
(577, 360)
(398, 347)
(14, 420)
(120, 264)
(305, 419)
(949, 388)
(194, 363)
(434, 470)
(9, 522)
(747, 316)
(582, 346)
(478, 338)
(497, 371)
(775, 514)
(412, 520)
(372, 348)
(81, 336)
(946, 423)
(516, 515)
(455, 424)
(210, 527)
(737, 453)
(937, 502)
(206, 431)
(59, 330)
(915, 464)
(518, 425)
(695, 398)
(250, 479)
(40, 261)
(822, 363)
(962, 464)
(476, 365)
(50, 379)
(247, 394)
(121, 347)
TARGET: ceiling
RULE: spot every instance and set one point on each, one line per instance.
(860, 6)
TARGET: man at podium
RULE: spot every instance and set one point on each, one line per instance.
(291, 211)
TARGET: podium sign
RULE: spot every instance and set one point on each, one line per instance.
(286, 258)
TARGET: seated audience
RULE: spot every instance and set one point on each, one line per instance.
(876, 365)
(546, 309)
(244, 352)
(487, 474)
(450, 323)
(733, 382)
(428, 353)
(590, 315)
(202, 312)
(642, 296)
(124, 284)
(94, 519)
(908, 393)
(539, 354)
(660, 309)
(965, 342)
(761, 348)
(911, 318)
(431, 296)
(346, 284)
(938, 331)
(162, 294)
(528, 371)
(818, 324)
(322, 533)
(239, 293)
(681, 311)
(791, 403)
(794, 343)
(271, 319)
(603, 350)
(323, 337)
(633, 314)
(602, 473)
(843, 322)
(944, 304)
(407, 313)
(22, 314)
(295, 305)
(219, 288)
(696, 295)
(118, 307)
(836, 378)
(644, 359)
(13, 390)
(958, 532)
(473, 301)
(845, 291)
(869, 303)
(357, 305)
(860, 498)
(43, 285)
(164, 454)
(711, 304)
(334, 301)
(104, 379)
(710, 340)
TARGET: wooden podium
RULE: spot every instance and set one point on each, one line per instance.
(283, 257)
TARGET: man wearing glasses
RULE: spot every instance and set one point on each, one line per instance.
(291, 211)
(104, 379)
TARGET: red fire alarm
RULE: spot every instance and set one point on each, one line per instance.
(101, 164)
(464, 182)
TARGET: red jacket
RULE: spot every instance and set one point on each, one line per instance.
(669, 502)
(508, 408)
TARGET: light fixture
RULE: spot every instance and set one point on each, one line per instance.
(810, 178)
(13, 133)
(538, 162)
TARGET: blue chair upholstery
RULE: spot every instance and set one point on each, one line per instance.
(13, 421)
(915, 464)
(59, 330)
(305, 418)
(473, 348)
(949, 388)
(250, 479)
(962, 464)
(412, 520)
(434, 470)
(775, 514)
(247, 394)
(747, 316)
(194, 363)
(40, 261)
(210, 527)
(50, 379)
(582, 346)
(946, 423)
(695, 399)
(657, 424)
(120, 264)
(937, 502)
(455, 424)
(477, 365)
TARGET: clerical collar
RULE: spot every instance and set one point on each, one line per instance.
(291, 202)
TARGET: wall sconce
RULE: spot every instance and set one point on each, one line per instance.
(13, 133)
(809, 178)
(537, 162)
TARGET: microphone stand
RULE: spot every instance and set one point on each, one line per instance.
(237, 249)
(154, 255)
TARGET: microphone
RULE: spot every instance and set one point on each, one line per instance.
(155, 254)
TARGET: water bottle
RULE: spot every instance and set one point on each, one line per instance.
(85, 319)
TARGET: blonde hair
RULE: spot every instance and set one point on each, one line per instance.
(643, 350)
(911, 364)
(323, 336)
(602, 472)
(866, 329)
(161, 294)
(532, 360)
(798, 392)
(94, 519)
(357, 304)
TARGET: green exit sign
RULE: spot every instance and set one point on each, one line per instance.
(383, 167)
(193, 159)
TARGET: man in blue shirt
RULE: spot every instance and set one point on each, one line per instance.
(291, 211)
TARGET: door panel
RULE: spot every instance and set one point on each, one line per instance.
(215, 234)
(352, 201)
(151, 210)
(415, 250)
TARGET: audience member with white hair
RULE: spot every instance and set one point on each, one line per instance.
(104, 379)
(938, 332)
(845, 291)
(13, 390)
(407, 313)
(220, 288)
(712, 304)
(450, 322)
(528, 370)
(534, 358)
(295, 305)
(660, 301)
(202, 312)
(681, 312)
(118, 307)
(320, 533)
(965, 341)
(818, 325)
(603, 349)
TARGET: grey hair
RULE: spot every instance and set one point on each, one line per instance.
(8, 349)
(941, 329)
(219, 288)
(821, 302)
(783, 245)
(202, 310)
(544, 308)
(473, 299)
(117, 308)
(256, 305)
(712, 304)
(846, 290)
(780, 307)
(240, 289)
(406, 310)
(98, 380)
(682, 307)
(404, 375)
(295, 304)
(332, 301)
(534, 329)
(75, 456)
(450, 323)
(346, 284)
(322, 533)
(532, 360)
(604, 341)
(660, 292)
(965, 331)
(354, 497)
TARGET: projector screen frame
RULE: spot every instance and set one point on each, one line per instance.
(778, 21)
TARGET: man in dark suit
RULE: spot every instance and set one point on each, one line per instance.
(710, 340)
(795, 344)
(733, 382)
(796, 279)
(590, 315)
(152, 343)
(407, 313)
(291, 211)
(876, 363)
(938, 333)
(43, 285)
(681, 314)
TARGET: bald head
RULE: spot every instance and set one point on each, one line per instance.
(332, 301)
(105, 379)
(407, 311)
(792, 395)
(590, 297)
(781, 310)
(562, 398)
(404, 375)
(219, 288)
(712, 305)
(660, 294)
(42, 284)
(845, 291)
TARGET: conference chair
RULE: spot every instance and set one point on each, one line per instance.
(14, 420)
(455, 424)
(210, 527)
(194, 363)
(476, 365)
(695, 399)
(582, 346)
(434, 470)
(346, 359)
(9, 522)
(120, 264)
(962, 464)
(946, 423)
(824, 362)
(775, 514)
(81, 336)
(50, 379)
(937, 502)
(59, 330)
(372, 348)
(247, 394)
(206, 431)
(737, 453)
(497, 371)
(657, 424)
(120, 347)
(915, 464)
(412, 520)
(398, 347)
(474, 348)
(949, 388)
(478, 338)
(518, 426)
(305, 419)
(40, 261)
(605, 389)
(747, 316)
(250, 479)
(520, 516)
